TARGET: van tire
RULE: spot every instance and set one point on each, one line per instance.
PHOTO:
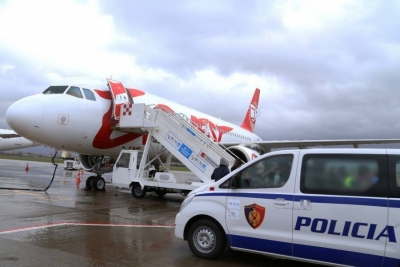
(206, 240)
(160, 193)
(137, 191)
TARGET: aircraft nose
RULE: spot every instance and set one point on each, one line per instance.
(25, 116)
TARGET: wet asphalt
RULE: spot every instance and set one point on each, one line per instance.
(70, 226)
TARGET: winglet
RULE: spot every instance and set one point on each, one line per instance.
(249, 121)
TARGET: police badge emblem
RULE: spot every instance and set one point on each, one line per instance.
(254, 215)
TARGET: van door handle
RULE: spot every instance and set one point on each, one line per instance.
(281, 202)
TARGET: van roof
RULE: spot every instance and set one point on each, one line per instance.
(340, 150)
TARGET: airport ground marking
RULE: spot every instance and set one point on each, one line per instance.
(58, 224)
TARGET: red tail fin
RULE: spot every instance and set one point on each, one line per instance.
(249, 122)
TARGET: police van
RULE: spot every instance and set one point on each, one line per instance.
(329, 206)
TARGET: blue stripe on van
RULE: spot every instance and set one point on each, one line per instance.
(312, 252)
(364, 201)
(248, 195)
(394, 203)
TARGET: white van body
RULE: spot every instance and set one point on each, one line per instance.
(333, 206)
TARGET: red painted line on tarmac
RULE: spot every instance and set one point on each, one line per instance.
(42, 226)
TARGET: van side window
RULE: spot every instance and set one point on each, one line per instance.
(398, 173)
(394, 176)
(346, 174)
(270, 172)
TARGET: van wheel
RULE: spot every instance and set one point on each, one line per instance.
(206, 240)
(137, 191)
(89, 182)
(160, 193)
(99, 184)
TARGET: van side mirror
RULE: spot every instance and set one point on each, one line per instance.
(234, 182)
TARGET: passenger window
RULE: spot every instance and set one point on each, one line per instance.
(75, 91)
(394, 175)
(270, 172)
(362, 175)
(123, 161)
(89, 94)
(55, 90)
(398, 173)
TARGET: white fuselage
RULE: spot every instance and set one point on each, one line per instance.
(15, 143)
(64, 121)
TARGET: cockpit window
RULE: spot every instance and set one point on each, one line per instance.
(89, 94)
(55, 90)
(75, 91)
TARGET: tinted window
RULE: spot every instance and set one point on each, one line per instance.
(270, 172)
(362, 175)
(55, 90)
(75, 91)
(394, 172)
(89, 94)
(397, 179)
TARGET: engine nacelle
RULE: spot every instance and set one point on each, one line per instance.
(244, 153)
(88, 163)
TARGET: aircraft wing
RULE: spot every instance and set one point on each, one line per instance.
(268, 145)
(8, 133)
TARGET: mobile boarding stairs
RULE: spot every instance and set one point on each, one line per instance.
(179, 137)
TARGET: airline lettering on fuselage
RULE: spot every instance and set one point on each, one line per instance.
(204, 125)
(210, 129)
(353, 229)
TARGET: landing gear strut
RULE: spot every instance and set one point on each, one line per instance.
(97, 182)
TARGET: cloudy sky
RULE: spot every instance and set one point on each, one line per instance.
(326, 69)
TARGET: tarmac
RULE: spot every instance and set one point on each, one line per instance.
(70, 226)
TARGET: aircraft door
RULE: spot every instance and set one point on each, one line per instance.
(119, 97)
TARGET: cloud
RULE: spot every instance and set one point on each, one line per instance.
(326, 70)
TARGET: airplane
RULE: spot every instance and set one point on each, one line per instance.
(80, 115)
(10, 140)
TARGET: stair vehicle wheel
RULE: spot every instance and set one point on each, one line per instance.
(160, 192)
(99, 184)
(137, 191)
(89, 182)
(206, 240)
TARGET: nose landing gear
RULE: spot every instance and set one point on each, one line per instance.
(97, 182)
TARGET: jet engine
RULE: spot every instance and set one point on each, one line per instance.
(91, 162)
(244, 153)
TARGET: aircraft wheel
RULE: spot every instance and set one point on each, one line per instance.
(89, 182)
(160, 193)
(206, 240)
(99, 184)
(137, 191)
